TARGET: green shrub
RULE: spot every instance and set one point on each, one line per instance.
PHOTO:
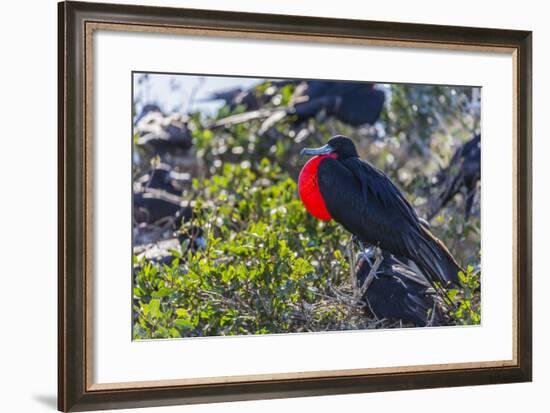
(268, 266)
(468, 299)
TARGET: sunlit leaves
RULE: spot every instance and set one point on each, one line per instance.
(467, 300)
(257, 271)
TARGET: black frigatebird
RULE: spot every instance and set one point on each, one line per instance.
(337, 184)
(354, 103)
(460, 176)
(153, 205)
(398, 291)
(163, 177)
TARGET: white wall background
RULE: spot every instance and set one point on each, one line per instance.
(28, 203)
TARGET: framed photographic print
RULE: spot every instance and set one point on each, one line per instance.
(261, 206)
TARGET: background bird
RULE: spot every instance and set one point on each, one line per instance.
(460, 176)
(162, 176)
(354, 103)
(337, 184)
(398, 291)
(153, 206)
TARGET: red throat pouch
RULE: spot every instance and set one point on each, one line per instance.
(308, 188)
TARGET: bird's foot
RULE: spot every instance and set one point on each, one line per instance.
(378, 258)
(360, 244)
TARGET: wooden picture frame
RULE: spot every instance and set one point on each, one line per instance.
(77, 21)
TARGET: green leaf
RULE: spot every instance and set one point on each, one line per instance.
(182, 313)
(163, 292)
(154, 308)
(183, 323)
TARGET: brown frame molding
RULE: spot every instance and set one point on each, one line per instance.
(77, 21)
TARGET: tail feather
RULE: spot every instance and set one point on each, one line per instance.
(436, 261)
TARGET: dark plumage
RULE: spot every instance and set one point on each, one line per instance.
(148, 108)
(354, 103)
(194, 236)
(367, 203)
(164, 178)
(460, 176)
(399, 291)
(153, 206)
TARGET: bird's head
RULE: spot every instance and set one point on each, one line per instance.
(340, 145)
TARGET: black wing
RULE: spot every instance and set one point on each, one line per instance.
(394, 294)
(374, 180)
(369, 205)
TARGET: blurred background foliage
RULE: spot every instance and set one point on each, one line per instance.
(264, 264)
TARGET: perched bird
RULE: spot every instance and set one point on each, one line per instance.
(336, 184)
(460, 176)
(354, 103)
(152, 206)
(398, 291)
(163, 177)
(157, 215)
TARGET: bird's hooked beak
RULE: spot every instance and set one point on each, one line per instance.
(323, 150)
